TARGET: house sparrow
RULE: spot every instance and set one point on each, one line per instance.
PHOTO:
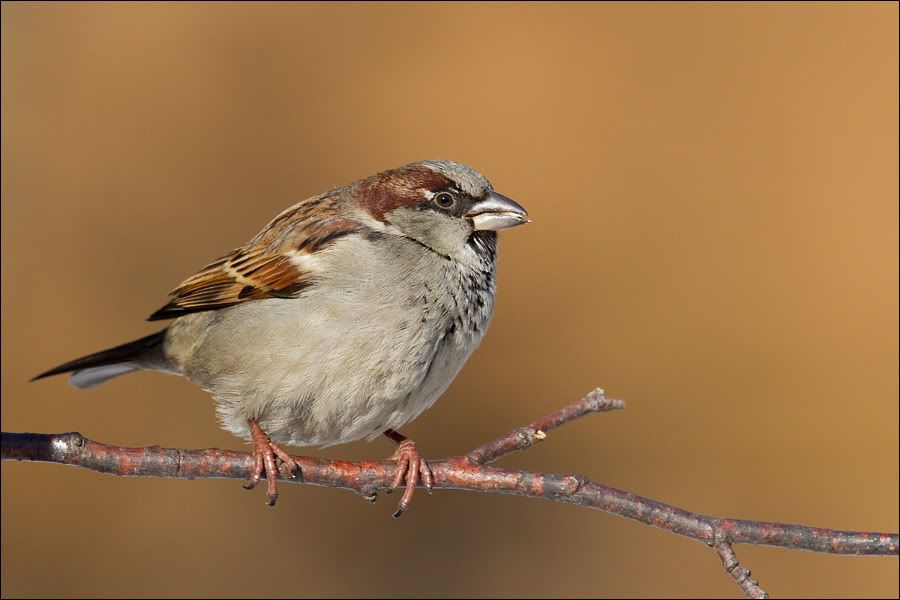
(344, 318)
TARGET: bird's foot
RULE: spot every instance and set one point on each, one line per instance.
(411, 467)
(265, 452)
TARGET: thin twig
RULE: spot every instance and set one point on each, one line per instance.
(525, 437)
(469, 472)
(737, 571)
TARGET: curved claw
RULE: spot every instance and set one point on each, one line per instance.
(264, 453)
(258, 463)
(410, 466)
(427, 476)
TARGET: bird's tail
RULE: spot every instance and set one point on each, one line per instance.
(99, 367)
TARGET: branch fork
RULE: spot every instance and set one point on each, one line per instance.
(469, 472)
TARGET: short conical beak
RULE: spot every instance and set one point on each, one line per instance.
(496, 212)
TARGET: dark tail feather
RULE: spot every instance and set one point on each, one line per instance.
(96, 368)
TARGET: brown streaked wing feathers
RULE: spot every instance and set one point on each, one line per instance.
(243, 275)
(263, 268)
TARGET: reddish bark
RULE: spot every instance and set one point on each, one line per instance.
(469, 472)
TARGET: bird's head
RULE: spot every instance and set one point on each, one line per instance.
(440, 204)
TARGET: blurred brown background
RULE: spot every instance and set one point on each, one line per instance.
(714, 193)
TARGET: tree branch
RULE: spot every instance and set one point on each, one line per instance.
(737, 571)
(469, 472)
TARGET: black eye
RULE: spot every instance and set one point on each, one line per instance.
(444, 199)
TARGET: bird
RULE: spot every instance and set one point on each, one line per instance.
(344, 318)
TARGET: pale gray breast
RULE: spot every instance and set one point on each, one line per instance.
(368, 347)
(461, 293)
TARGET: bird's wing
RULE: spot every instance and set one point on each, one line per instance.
(244, 274)
(278, 263)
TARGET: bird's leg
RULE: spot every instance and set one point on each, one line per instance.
(264, 453)
(410, 465)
